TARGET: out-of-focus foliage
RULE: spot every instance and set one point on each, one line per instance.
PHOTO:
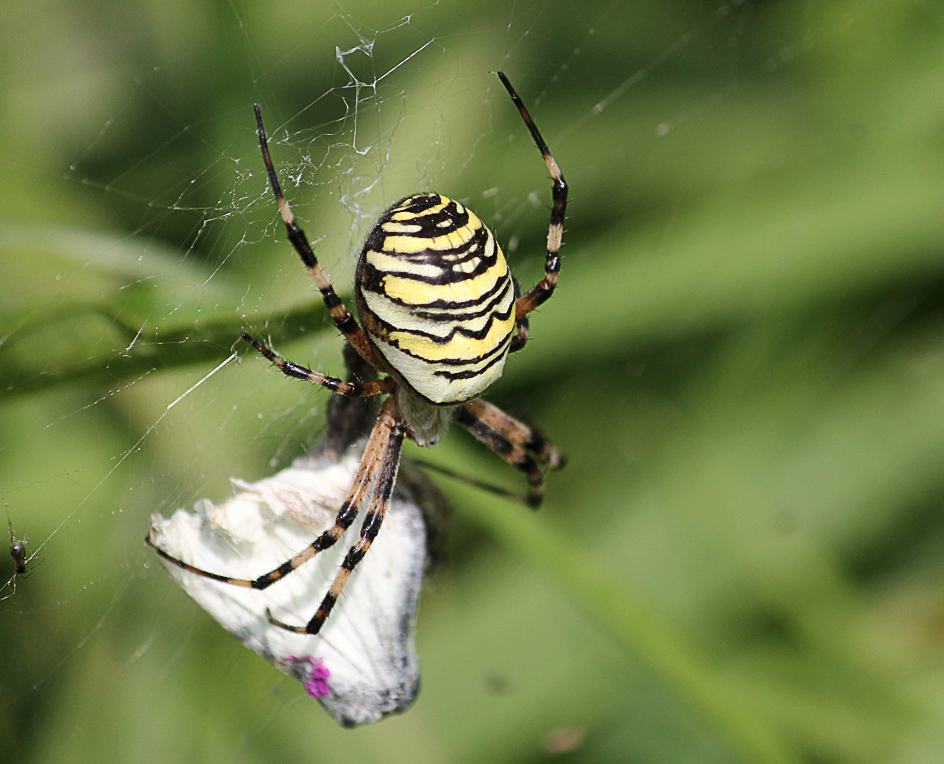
(744, 559)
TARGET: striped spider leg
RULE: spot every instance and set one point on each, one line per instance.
(520, 445)
(381, 461)
(523, 447)
(439, 313)
(541, 291)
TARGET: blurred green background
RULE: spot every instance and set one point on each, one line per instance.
(744, 559)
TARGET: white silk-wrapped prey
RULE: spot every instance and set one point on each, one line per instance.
(362, 666)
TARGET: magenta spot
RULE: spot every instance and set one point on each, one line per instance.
(317, 683)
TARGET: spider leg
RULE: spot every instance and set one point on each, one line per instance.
(383, 460)
(523, 447)
(347, 419)
(377, 447)
(335, 385)
(481, 484)
(522, 329)
(342, 318)
(544, 288)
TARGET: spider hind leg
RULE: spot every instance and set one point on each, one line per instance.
(523, 447)
(373, 455)
(381, 458)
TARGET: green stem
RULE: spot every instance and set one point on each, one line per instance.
(638, 629)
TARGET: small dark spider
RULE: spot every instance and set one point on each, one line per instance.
(21, 557)
(440, 312)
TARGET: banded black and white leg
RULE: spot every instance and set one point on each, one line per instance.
(381, 458)
(521, 446)
(539, 293)
(382, 452)
(522, 326)
(345, 322)
(351, 389)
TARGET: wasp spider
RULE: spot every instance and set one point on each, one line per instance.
(440, 312)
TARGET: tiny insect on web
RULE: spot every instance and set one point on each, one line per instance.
(18, 552)
(440, 312)
(21, 559)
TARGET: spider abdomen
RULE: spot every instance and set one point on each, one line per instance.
(436, 298)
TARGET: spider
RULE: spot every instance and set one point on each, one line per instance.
(21, 558)
(440, 312)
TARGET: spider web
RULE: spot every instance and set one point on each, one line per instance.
(142, 238)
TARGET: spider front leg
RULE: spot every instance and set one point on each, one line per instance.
(522, 327)
(523, 447)
(342, 318)
(555, 232)
(335, 385)
(381, 458)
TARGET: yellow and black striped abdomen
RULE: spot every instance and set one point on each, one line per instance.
(436, 298)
